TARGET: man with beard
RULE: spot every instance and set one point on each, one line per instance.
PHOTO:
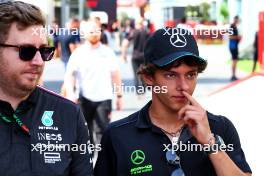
(91, 73)
(35, 124)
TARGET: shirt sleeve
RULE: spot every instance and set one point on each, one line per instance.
(106, 162)
(113, 61)
(236, 154)
(70, 74)
(75, 38)
(82, 163)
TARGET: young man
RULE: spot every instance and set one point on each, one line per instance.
(172, 134)
(92, 70)
(36, 126)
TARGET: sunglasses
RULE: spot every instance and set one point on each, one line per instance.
(174, 159)
(27, 52)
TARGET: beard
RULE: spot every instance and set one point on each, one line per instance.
(94, 40)
(17, 85)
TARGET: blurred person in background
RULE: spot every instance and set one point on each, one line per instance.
(104, 33)
(234, 40)
(68, 40)
(127, 31)
(91, 73)
(255, 54)
(115, 33)
(55, 29)
(138, 38)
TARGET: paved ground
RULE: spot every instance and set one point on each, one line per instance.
(242, 103)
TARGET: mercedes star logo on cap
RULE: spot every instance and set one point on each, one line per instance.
(178, 40)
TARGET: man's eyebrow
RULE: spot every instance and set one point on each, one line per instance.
(190, 71)
(194, 70)
(44, 45)
(31, 44)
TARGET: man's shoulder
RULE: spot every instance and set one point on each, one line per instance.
(80, 52)
(129, 121)
(218, 119)
(218, 123)
(215, 117)
(81, 48)
(51, 97)
(106, 48)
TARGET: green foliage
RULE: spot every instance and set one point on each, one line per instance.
(122, 17)
(204, 11)
(224, 11)
(201, 11)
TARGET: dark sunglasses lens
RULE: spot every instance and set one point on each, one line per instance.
(172, 157)
(27, 53)
(178, 172)
(47, 53)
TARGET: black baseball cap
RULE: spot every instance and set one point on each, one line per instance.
(170, 44)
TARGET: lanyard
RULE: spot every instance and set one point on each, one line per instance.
(18, 121)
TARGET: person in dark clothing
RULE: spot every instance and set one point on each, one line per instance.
(38, 129)
(234, 40)
(104, 38)
(255, 57)
(103, 26)
(139, 37)
(68, 40)
(173, 134)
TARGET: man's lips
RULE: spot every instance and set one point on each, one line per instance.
(32, 73)
(179, 98)
(35, 71)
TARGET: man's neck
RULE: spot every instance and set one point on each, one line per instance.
(93, 46)
(164, 118)
(14, 100)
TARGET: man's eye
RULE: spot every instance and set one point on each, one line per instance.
(191, 75)
(170, 75)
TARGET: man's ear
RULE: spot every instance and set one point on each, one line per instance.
(148, 79)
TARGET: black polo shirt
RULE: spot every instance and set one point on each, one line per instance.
(134, 146)
(52, 122)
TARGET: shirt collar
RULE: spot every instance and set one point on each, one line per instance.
(6, 108)
(143, 119)
(144, 122)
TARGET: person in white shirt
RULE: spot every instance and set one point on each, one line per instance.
(91, 72)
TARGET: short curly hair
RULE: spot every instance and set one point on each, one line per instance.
(150, 69)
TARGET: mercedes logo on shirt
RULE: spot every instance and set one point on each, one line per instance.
(137, 157)
(178, 40)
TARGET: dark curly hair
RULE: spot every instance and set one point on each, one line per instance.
(149, 69)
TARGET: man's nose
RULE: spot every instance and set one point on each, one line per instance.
(182, 84)
(37, 60)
